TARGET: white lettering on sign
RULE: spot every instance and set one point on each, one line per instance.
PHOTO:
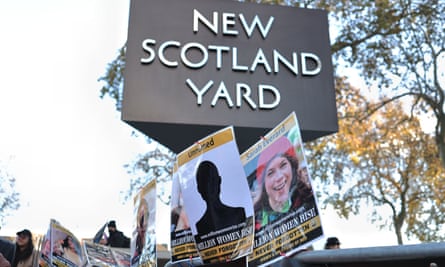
(269, 62)
(242, 94)
(315, 58)
(219, 53)
(201, 48)
(161, 53)
(199, 93)
(222, 92)
(235, 65)
(194, 55)
(228, 22)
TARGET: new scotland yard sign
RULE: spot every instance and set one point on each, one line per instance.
(195, 66)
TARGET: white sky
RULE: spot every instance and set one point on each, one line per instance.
(67, 147)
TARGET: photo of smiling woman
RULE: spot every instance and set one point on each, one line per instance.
(281, 188)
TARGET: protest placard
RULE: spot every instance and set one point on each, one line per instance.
(182, 242)
(105, 256)
(217, 198)
(45, 250)
(65, 248)
(143, 243)
(98, 255)
(287, 217)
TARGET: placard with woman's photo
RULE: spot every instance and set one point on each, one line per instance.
(287, 217)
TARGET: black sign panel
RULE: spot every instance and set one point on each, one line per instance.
(196, 66)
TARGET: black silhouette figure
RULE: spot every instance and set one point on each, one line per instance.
(217, 215)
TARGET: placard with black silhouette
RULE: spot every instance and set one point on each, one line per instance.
(217, 198)
(287, 217)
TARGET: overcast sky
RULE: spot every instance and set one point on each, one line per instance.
(66, 146)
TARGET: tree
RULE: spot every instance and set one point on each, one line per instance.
(386, 161)
(114, 79)
(400, 47)
(155, 164)
(9, 198)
